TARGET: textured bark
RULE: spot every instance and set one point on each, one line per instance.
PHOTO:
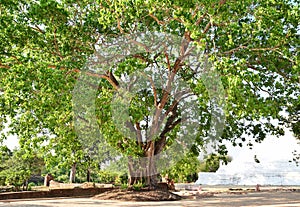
(144, 169)
(88, 175)
(73, 173)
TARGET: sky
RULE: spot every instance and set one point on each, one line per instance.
(11, 142)
(271, 149)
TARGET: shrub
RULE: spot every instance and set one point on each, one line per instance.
(63, 178)
(2, 179)
(124, 186)
(30, 185)
(121, 178)
(138, 186)
(107, 177)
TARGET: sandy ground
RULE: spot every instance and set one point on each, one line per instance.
(262, 199)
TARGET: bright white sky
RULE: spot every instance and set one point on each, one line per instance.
(11, 142)
(271, 149)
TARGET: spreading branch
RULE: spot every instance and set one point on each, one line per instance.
(108, 76)
(38, 29)
(168, 61)
(4, 66)
(156, 19)
(207, 27)
(138, 133)
(153, 89)
(161, 143)
(56, 45)
(200, 19)
(119, 26)
(232, 51)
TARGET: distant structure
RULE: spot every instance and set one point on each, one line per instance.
(251, 173)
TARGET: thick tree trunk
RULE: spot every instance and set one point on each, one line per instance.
(143, 169)
(135, 175)
(151, 166)
(73, 173)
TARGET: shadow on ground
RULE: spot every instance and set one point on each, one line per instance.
(261, 199)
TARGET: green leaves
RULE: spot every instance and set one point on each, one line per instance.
(45, 44)
(17, 167)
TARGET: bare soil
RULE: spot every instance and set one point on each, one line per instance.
(210, 196)
(141, 195)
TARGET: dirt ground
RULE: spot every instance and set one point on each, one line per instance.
(142, 195)
(224, 199)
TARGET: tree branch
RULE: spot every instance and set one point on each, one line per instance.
(207, 27)
(108, 76)
(230, 52)
(168, 61)
(161, 143)
(138, 56)
(140, 44)
(36, 28)
(56, 46)
(251, 49)
(200, 19)
(119, 26)
(178, 97)
(183, 51)
(154, 90)
(156, 19)
(138, 133)
(4, 66)
(277, 71)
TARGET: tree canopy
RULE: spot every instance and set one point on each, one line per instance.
(253, 47)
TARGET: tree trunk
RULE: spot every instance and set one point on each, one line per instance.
(151, 166)
(73, 173)
(134, 178)
(25, 185)
(143, 169)
(88, 175)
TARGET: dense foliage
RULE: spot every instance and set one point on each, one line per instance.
(17, 167)
(44, 45)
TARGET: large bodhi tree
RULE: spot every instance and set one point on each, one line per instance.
(44, 46)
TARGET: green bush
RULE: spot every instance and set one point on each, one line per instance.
(62, 178)
(138, 186)
(30, 185)
(17, 179)
(121, 178)
(184, 171)
(124, 186)
(107, 177)
(2, 179)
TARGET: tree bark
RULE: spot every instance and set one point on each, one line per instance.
(144, 170)
(73, 173)
(88, 175)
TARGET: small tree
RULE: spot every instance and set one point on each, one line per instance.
(5, 154)
(17, 169)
